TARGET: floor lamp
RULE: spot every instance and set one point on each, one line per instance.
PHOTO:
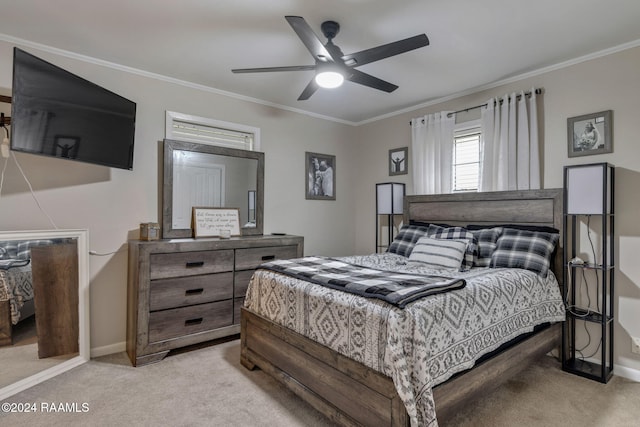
(389, 201)
(589, 199)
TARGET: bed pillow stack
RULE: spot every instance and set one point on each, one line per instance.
(505, 245)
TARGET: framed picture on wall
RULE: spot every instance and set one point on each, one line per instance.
(590, 134)
(398, 158)
(320, 179)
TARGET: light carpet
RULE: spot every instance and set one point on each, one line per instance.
(207, 386)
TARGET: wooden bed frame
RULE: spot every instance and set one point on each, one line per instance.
(350, 393)
(6, 329)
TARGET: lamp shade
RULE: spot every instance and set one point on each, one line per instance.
(588, 189)
(389, 198)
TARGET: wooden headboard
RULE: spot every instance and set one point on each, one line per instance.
(525, 207)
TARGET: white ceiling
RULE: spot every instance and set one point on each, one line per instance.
(474, 43)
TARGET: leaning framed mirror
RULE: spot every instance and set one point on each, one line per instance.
(201, 175)
(44, 306)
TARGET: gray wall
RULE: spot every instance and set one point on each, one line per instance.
(111, 202)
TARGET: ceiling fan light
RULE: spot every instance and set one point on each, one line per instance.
(329, 79)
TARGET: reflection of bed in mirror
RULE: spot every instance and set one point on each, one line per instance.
(43, 305)
(16, 284)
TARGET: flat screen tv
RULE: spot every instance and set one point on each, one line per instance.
(56, 113)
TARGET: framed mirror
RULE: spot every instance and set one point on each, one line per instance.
(204, 175)
(45, 280)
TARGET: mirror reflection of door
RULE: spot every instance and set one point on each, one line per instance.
(197, 182)
(38, 306)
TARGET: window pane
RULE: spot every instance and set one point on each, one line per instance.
(466, 162)
(186, 131)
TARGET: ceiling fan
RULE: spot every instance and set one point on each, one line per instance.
(332, 66)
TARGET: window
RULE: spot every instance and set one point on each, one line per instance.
(466, 159)
(185, 127)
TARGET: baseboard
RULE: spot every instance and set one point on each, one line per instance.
(108, 349)
(18, 386)
(620, 370)
(628, 373)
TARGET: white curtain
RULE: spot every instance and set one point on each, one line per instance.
(432, 152)
(510, 148)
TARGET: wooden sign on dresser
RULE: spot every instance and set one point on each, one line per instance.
(185, 291)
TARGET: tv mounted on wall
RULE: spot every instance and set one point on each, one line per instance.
(56, 113)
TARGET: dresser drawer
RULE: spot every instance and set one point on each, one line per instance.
(179, 264)
(241, 282)
(247, 259)
(237, 304)
(183, 321)
(183, 291)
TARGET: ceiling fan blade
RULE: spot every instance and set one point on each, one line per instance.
(385, 51)
(309, 38)
(370, 81)
(311, 88)
(269, 69)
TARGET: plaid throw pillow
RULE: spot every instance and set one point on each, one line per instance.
(406, 239)
(530, 250)
(487, 241)
(439, 253)
(457, 233)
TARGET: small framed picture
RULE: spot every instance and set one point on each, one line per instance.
(398, 158)
(215, 222)
(66, 146)
(320, 180)
(590, 134)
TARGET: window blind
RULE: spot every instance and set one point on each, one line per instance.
(194, 132)
(466, 161)
(204, 130)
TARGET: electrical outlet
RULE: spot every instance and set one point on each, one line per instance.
(635, 345)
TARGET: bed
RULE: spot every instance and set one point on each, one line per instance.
(381, 372)
(16, 287)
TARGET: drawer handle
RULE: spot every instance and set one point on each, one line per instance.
(193, 291)
(268, 257)
(193, 322)
(191, 264)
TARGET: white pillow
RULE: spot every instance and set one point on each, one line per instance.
(439, 253)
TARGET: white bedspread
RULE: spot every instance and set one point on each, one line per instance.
(425, 343)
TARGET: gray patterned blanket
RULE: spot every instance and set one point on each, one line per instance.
(393, 287)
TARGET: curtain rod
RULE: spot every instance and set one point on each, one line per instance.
(464, 110)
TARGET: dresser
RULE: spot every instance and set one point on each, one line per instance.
(185, 291)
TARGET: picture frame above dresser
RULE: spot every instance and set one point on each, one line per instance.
(210, 176)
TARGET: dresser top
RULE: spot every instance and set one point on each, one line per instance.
(213, 243)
